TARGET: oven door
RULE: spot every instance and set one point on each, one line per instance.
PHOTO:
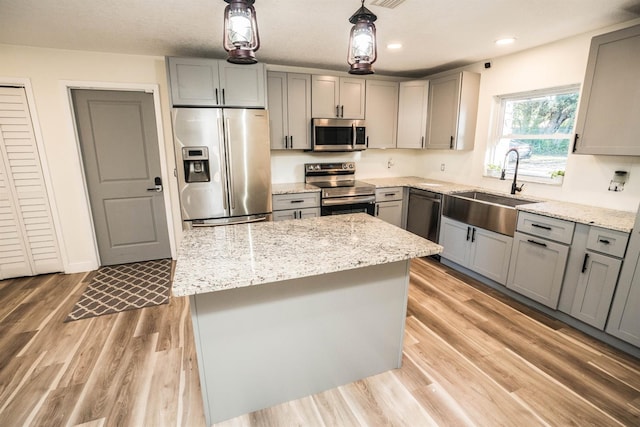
(347, 205)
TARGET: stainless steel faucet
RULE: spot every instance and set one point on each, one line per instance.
(514, 184)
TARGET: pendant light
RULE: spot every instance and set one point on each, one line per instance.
(241, 38)
(362, 41)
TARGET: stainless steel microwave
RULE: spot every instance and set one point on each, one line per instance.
(338, 135)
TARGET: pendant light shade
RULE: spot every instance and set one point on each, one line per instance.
(241, 38)
(363, 49)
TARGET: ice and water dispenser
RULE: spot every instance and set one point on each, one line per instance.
(196, 164)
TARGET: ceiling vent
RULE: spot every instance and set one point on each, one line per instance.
(389, 4)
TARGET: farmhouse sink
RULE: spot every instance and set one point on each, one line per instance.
(484, 210)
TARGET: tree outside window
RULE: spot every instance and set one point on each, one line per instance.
(539, 126)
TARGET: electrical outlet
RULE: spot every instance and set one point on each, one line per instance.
(442, 167)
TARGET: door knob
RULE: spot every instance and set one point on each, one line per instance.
(157, 185)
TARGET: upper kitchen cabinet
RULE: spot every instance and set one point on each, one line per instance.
(202, 82)
(412, 113)
(452, 112)
(340, 97)
(381, 113)
(289, 103)
(610, 103)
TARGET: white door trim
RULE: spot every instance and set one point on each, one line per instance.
(25, 83)
(154, 89)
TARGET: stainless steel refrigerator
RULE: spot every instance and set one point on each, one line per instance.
(223, 165)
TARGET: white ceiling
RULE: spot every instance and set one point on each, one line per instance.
(436, 34)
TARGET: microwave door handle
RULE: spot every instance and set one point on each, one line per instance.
(353, 135)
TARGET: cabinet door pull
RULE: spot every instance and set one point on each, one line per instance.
(389, 194)
(544, 227)
(473, 235)
(291, 142)
(286, 142)
(604, 241)
(299, 214)
(451, 143)
(295, 214)
(537, 243)
(468, 231)
(223, 100)
(217, 102)
(297, 201)
(337, 111)
(575, 143)
(342, 111)
(584, 263)
(377, 210)
(422, 141)
(367, 144)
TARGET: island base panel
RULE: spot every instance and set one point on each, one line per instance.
(259, 346)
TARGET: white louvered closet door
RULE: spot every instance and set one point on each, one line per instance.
(28, 243)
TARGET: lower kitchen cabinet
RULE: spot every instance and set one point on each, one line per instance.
(537, 268)
(296, 214)
(390, 212)
(624, 318)
(482, 251)
(296, 206)
(595, 289)
(389, 204)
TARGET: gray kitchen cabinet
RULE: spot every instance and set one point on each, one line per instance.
(482, 251)
(340, 97)
(296, 214)
(203, 82)
(289, 103)
(412, 114)
(389, 205)
(624, 317)
(452, 111)
(538, 263)
(381, 113)
(599, 275)
(607, 120)
(595, 289)
(296, 206)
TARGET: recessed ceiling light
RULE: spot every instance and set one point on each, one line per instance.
(394, 45)
(506, 40)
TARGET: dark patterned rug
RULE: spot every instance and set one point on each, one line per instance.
(124, 287)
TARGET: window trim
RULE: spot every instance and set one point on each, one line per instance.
(498, 124)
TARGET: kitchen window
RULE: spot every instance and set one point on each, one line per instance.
(539, 126)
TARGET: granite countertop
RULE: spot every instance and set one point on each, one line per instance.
(590, 215)
(218, 258)
(294, 187)
(436, 186)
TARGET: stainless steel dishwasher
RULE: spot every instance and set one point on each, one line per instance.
(423, 216)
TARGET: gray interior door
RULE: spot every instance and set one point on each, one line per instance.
(119, 145)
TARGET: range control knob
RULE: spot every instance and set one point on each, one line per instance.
(317, 167)
(344, 166)
(350, 165)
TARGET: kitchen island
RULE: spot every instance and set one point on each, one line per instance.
(286, 309)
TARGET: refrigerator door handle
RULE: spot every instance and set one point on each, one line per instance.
(227, 149)
(223, 169)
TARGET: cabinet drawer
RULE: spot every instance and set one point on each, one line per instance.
(388, 194)
(296, 201)
(554, 229)
(608, 242)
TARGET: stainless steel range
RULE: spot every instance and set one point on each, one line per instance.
(341, 193)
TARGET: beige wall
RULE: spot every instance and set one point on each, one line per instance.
(560, 63)
(47, 71)
(587, 177)
(556, 64)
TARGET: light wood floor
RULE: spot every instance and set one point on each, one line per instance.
(471, 357)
